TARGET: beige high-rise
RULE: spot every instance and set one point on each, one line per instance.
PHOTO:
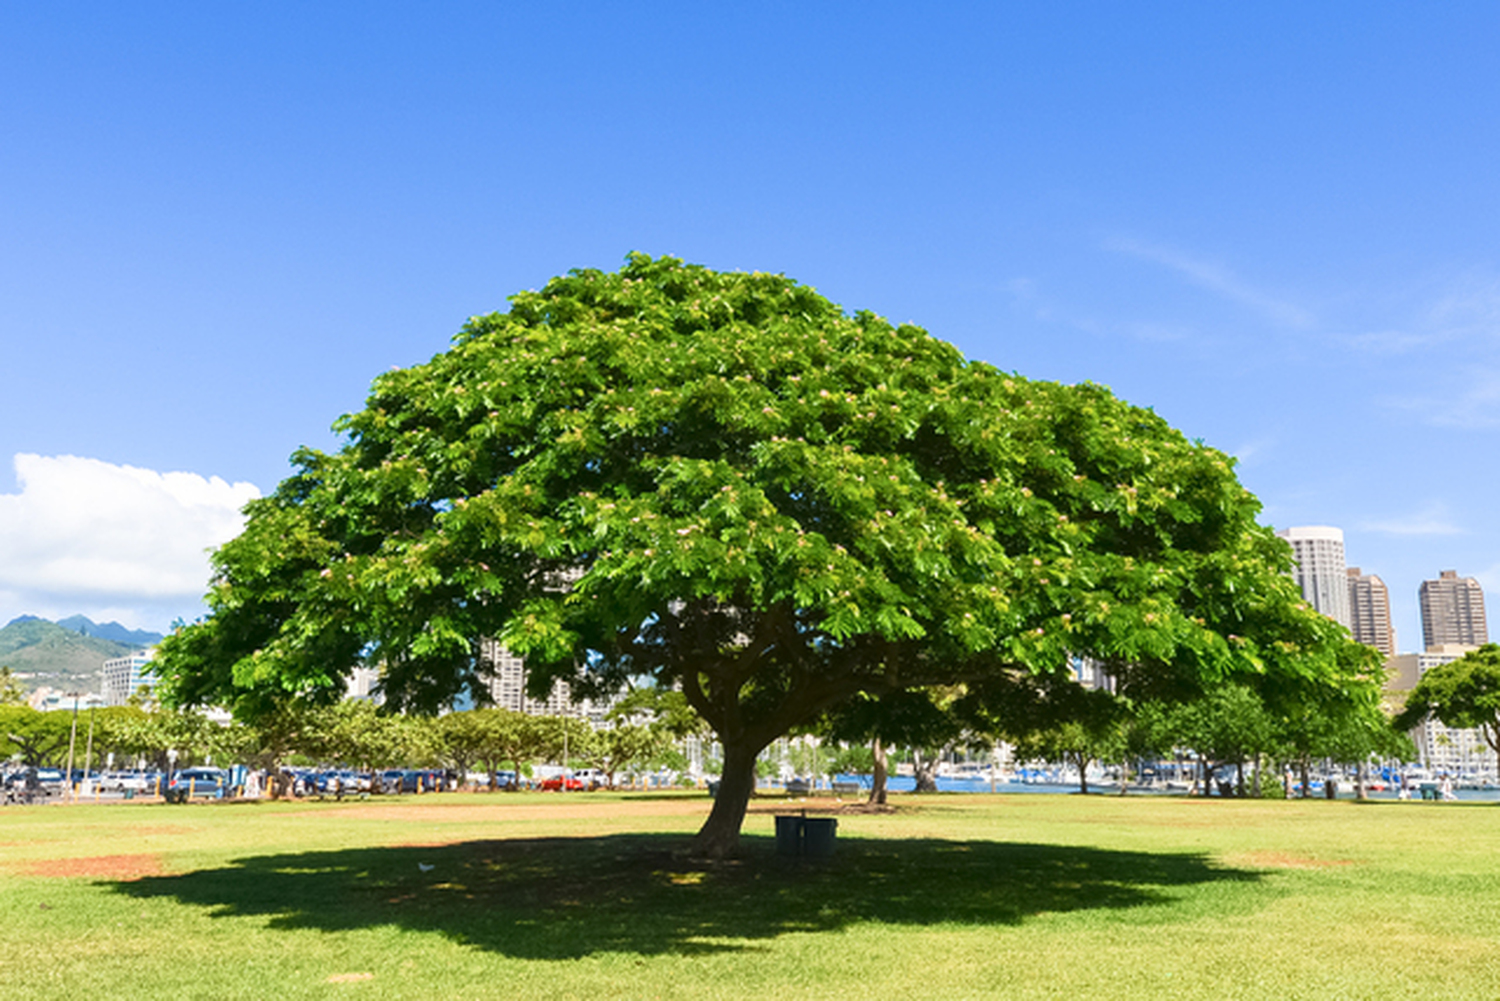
(1453, 611)
(1370, 612)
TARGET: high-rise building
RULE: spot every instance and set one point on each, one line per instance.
(507, 676)
(364, 683)
(1452, 611)
(123, 676)
(1321, 573)
(1370, 612)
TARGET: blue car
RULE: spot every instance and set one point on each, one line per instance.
(196, 783)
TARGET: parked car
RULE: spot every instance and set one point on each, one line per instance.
(557, 783)
(196, 783)
(28, 785)
(124, 782)
(343, 782)
(408, 780)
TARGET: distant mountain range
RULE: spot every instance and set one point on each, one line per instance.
(109, 631)
(66, 654)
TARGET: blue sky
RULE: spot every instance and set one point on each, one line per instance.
(1274, 225)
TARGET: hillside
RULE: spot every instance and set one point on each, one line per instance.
(52, 655)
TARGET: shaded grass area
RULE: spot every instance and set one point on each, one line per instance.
(566, 898)
(535, 896)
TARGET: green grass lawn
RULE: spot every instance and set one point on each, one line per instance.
(521, 896)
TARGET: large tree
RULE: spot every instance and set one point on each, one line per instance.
(723, 481)
(37, 738)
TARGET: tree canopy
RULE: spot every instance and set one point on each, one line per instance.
(725, 482)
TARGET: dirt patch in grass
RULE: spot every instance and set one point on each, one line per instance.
(864, 808)
(118, 867)
(1284, 860)
(160, 831)
(818, 807)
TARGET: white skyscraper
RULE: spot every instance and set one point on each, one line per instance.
(124, 675)
(1321, 572)
(507, 676)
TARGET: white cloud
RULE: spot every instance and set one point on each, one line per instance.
(85, 534)
(1470, 305)
(1463, 309)
(1393, 342)
(1249, 451)
(1476, 406)
(1218, 279)
(1027, 298)
(1431, 520)
(1489, 578)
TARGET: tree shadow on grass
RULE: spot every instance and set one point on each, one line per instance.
(562, 898)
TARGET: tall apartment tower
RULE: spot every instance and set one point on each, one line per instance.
(123, 676)
(507, 674)
(1370, 612)
(1453, 611)
(1321, 573)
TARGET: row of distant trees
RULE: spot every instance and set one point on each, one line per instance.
(1062, 722)
(1232, 725)
(646, 734)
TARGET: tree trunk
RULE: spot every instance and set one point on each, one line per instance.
(924, 770)
(1083, 772)
(882, 770)
(720, 835)
(1360, 777)
(1306, 779)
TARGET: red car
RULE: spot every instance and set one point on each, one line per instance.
(555, 784)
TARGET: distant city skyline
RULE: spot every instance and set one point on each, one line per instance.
(1453, 607)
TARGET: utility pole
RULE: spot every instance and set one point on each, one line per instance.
(72, 741)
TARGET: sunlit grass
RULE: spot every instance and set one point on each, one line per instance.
(1026, 896)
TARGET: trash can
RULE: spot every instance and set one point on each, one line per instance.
(788, 835)
(817, 836)
(713, 789)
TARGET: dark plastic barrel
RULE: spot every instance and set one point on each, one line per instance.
(817, 836)
(788, 835)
